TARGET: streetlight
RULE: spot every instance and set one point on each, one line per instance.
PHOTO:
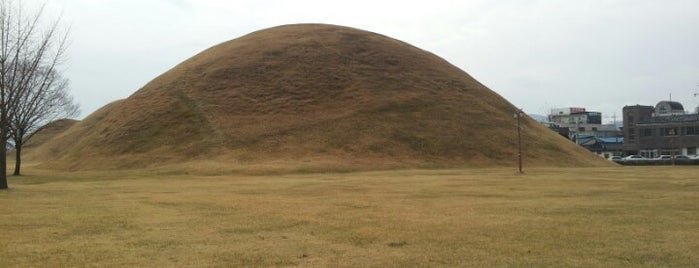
(518, 114)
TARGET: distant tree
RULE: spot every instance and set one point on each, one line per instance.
(28, 55)
(45, 99)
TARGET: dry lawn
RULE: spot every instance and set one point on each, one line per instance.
(626, 216)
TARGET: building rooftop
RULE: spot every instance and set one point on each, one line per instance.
(682, 118)
(597, 127)
(673, 105)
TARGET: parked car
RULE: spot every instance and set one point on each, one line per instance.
(663, 157)
(669, 157)
(615, 158)
(634, 157)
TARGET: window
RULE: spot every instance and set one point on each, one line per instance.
(648, 153)
(692, 131)
(594, 118)
(669, 131)
(632, 135)
(646, 132)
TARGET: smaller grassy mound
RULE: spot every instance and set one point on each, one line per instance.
(48, 132)
(35, 147)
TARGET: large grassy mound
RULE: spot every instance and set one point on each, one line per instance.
(310, 96)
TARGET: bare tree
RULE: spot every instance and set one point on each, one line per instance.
(27, 53)
(44, 100)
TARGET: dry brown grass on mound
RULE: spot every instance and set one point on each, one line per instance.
(48, 132)
(301, 92)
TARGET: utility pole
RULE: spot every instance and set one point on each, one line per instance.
(672, 147)
(518, 114)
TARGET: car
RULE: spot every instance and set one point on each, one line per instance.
(634, 157)
(669, 157)
(663, 157)
(615, 158)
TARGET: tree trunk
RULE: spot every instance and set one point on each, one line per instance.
(18, 157)
(3, 156)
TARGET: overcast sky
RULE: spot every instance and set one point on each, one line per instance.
(601, 54)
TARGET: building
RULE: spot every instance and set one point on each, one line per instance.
(586, 129)
(574, 115)
(661, 130)
(576, 121)
(593, 130)
(605, 147)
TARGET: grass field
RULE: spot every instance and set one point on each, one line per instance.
(624, 216)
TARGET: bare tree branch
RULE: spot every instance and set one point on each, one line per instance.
(32, 91)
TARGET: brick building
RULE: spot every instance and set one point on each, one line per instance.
(661, 130)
